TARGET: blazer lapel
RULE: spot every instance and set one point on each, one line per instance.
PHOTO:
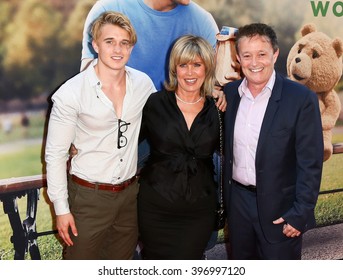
(272, 108)
(232, 119)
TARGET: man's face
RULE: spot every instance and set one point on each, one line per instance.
(113, 46)
(257, 59)
(182, 2)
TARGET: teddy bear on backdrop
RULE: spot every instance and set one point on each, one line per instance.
(315, 61)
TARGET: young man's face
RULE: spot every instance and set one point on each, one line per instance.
(113, 46)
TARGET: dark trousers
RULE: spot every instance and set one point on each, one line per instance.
(106, 223)
(247, 240)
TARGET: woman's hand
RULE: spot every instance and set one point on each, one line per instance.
(219, 95)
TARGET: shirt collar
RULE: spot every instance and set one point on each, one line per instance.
(243, 88)
(90, 72)
(93, 78)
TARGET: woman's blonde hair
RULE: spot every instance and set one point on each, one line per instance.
(186, 49)
(113, 18)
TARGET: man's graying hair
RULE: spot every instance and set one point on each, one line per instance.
(261, 29)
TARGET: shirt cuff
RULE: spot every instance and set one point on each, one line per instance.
(61, 207)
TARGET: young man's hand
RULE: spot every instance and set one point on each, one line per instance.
(63, 222)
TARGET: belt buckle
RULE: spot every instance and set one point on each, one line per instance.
(122, 185)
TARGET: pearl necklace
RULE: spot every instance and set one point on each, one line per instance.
(188, 103)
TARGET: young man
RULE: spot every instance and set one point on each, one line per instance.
(99, 111)
(273, 155)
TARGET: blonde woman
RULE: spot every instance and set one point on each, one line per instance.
(177, 197)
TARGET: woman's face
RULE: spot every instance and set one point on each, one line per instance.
(191, 76)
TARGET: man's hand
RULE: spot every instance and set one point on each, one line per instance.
(288, 230)
(63, 222)
(221, 102)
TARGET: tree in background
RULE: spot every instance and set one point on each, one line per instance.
(6, 10)
(70, 40)
(40, 45)
(30, 44)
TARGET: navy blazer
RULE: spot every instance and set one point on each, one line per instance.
(289, 156)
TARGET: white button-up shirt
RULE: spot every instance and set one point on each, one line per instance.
(248, 124)
(83, 115)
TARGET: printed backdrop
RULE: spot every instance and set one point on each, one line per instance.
(40, 46)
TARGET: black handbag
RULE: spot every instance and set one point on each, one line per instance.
(220, 214)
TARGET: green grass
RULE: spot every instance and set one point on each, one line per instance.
(329, 208)
(26, 161)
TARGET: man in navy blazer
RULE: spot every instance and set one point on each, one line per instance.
(273, 153)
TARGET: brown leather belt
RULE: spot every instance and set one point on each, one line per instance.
(250, 188)
(102, 186)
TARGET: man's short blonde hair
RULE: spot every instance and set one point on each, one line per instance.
(113, 18)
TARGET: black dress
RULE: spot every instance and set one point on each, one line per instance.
(177, 197)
